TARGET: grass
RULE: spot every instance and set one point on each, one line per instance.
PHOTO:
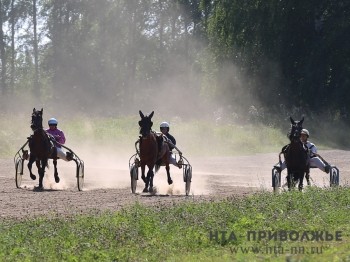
(181, 232)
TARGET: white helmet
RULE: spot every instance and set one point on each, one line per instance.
(305, 132)
(53, 121)
(165, 124)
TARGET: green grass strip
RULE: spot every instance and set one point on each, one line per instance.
(186, 231)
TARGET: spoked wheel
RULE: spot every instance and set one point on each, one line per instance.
(19, 172)
(187, 173)
(276, 179)
(134, 177)
(334, 176)
(80, 176)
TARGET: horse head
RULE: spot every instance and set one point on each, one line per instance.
(145, 124)
(295, 131)
(37, 119)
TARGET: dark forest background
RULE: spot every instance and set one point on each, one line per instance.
(241, 59)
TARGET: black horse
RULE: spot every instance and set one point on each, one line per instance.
(41, 148)
(296, 156)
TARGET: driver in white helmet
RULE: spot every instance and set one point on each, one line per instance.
(315, 161)
(164, 128)
(59, 137)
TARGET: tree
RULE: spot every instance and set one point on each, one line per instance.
(3, 80)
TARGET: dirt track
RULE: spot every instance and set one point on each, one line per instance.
(107, 187)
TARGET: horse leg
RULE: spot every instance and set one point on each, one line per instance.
(150, 176)
(167, 168)
(146, 180)
(30, 164)
(57, 179)
(143, 173)
(42, 172)
(289, 180)
(301, 181)
(307, 176)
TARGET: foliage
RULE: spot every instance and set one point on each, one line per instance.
(261, 53)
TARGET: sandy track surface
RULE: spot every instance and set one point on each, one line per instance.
(107, 186)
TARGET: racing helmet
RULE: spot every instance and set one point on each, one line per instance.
(53, 121)
(305, 132)
(165, 125)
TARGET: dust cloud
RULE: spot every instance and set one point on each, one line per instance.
(106, 168)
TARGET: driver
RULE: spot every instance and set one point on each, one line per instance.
(59, 137)
(315, 161)
(164, 128)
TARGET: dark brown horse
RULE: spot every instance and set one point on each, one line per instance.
(296, 156)
(153, 152)
(41, 148)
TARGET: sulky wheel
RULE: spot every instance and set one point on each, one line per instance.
(80, 176)
(134, 178)
(334, 176)
(19, 172)
(187, 173)
(276, 179)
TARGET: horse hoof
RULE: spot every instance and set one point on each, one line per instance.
(170, 182)
(145, 190)
(57, 179)
(153, 191)
(33, 177)
(38, 188)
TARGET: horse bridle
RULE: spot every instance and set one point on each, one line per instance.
(295, 132)
(145, 128)
(37, 121)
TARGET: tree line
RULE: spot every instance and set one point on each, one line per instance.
(248, 55)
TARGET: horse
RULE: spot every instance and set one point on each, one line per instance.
(153, 152)
(296, 156)
(41, 148)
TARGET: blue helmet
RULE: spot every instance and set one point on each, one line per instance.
(53, 121)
